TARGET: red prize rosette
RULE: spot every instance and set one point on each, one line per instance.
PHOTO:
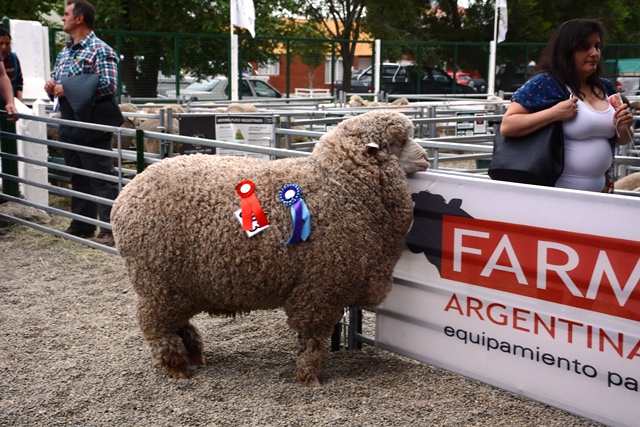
(250, 206)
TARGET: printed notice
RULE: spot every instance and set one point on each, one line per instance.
(245, 129)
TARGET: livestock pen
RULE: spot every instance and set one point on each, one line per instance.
(443, 150)
(444, 127)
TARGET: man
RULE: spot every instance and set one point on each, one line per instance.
(11, 63)
(87, 56)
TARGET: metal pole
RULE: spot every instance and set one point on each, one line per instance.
(491, 82)
(355, 327)
(140, 150)
(377, 65)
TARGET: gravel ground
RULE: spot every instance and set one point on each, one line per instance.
(71, 354)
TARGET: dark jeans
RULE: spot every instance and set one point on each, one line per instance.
(85, 184)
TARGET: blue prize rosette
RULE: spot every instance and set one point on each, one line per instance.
(291, 195)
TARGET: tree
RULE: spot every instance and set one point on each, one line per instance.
(537, 19)
(31, 10)
(312, 52)
(203, 26)
(340, 20)
(529, 21)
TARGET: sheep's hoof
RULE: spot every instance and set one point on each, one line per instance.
(311, 381)
(176, 366)
(177, 374)
(197, 360)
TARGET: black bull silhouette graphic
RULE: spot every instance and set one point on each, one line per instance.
(425, 235)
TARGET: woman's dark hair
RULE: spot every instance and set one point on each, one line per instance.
(85, 9)
(557, 56)
(4, 33)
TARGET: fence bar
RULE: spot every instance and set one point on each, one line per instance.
(140, 165)
(58, 233)
(10, 146)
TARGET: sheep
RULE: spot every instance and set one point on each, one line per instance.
(186, 253)
(152, 145)
(237, 107)
(130, 122)
(630, 182)
(356, 101)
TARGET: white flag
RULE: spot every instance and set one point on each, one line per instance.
(244, 15)
(503, 21)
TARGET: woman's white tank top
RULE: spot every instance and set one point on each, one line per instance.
(587, 152)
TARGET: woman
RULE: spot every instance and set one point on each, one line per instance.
(592, 127)
(11, 63)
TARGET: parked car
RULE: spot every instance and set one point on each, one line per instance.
(627, 71)
(217, 89)
(510, 77)
(167, 83)
(629, 85)
(401, 79)
(465, 78)
(437, 81)
(629, 76)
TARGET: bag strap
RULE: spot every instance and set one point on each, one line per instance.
(565, 91)
(16, 68)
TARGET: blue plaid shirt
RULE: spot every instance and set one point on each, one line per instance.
(89, 56)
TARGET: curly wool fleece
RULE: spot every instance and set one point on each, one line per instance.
(186, 252)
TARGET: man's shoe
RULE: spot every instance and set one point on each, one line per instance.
(80, 233)
(104, 239)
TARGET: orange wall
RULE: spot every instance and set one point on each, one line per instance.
(299, 76)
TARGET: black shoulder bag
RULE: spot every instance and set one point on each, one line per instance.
(537, 158)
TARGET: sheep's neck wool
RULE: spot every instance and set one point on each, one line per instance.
(250, 206)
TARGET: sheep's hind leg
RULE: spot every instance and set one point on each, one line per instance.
(193, 343)
(169, 350)
(309, 359)
(173, 341)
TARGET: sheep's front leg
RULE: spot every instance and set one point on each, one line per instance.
(309, 359)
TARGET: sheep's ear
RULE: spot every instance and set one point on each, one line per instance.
(394, 146)
(371, 148)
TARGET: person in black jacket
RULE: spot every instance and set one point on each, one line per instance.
(83, 84)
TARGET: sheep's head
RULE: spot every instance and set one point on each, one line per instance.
(413, 157)
(381, 133)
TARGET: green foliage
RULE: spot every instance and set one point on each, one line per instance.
(529, 20)
(31, 10)
(203, 48)
(535, 20)
(341, 21)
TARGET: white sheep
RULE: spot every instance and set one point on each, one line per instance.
(630, 182)
(187, 253)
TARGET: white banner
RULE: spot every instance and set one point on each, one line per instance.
(244, 15)
(534, 290)
(503, 22)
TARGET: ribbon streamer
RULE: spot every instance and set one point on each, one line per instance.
(291, 195)
(250, 206)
